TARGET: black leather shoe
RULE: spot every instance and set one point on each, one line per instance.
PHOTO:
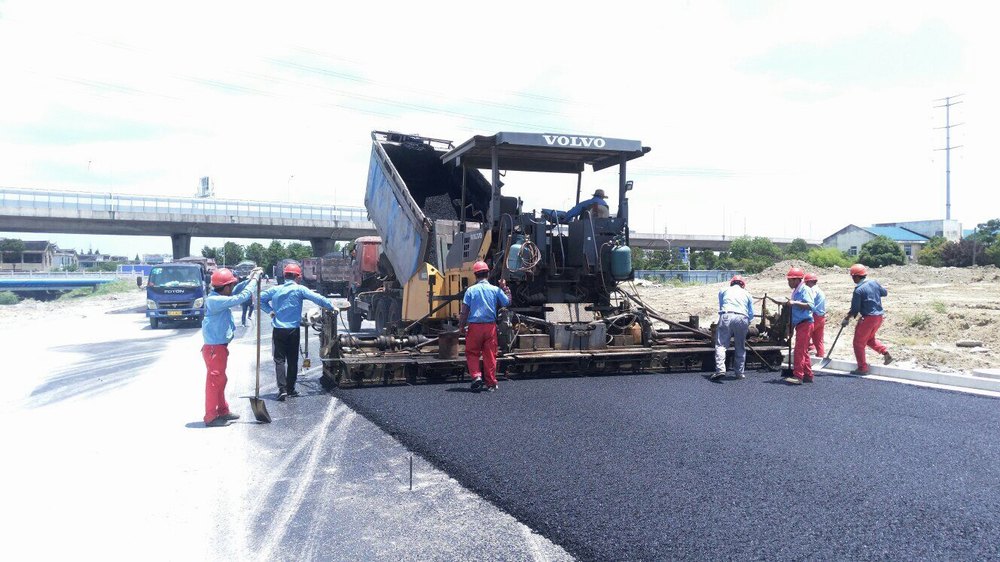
(217, 422)
(282, 396)
(229, 417)
(294, 393)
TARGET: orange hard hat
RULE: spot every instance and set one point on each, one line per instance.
(292, 268)
(811, 277)
(859, 270)
(738, 280)
(795, 273)
(222, 277)
(480, 266)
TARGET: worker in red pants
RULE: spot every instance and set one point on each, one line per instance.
(803, 304)
(217, 329)
(867, 301)
(819, 315)
(479, 314)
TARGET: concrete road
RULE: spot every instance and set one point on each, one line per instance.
(106, 456)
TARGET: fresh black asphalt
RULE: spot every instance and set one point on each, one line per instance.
(658, 467)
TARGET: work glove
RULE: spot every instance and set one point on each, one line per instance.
(314, 316)
(845, 322)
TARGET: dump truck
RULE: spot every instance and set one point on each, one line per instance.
(573, 309)
(328, 275)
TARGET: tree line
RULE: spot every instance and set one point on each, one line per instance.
(231, 253)
(982, 247)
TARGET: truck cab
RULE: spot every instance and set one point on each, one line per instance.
(175, 291)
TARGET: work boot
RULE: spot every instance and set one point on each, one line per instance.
(859, 372)
(229, 417)
(717, 375)
(217, 422)
(477, 384)
(491, 388)
(294, 393)
(792, 380)
(807, 379)
(887, 358)
(282, 396)
(740, 376)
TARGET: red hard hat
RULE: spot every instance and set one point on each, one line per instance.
(222, 277)
(480, 266)
(811, 277)
(795, 273)
(737, 279)
(292, 268)
(858, 269)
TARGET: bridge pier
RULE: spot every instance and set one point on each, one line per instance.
(181, 244)
(322, 246)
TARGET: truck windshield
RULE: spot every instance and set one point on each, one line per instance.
(175, 277)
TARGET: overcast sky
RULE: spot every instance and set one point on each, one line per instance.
(770, 118)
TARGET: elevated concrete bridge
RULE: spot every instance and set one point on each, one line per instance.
(30, 210)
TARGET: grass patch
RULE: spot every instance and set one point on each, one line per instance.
(919, 320)
(7, 297)
(939, 307)
(111, 288)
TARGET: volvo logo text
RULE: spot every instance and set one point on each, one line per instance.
(578, 142)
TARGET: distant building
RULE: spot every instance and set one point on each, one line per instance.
(90, 260)
(63, 259)
(851, 238)
(38, 255)
(950, 230)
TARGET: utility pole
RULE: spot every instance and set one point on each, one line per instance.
(948, 148)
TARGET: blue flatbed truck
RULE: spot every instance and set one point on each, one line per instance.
(175, 291)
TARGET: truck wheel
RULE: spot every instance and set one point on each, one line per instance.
(154, 323)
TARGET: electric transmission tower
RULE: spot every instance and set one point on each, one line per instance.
(948, 102)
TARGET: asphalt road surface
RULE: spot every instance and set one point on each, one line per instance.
(678, 467)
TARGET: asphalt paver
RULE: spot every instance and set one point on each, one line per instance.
(678, 467)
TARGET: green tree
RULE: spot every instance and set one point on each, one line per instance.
(212, 253)
(298, 251)
(704, 259)
(232, 253)
(930, 254)
(797, 249)
(257, 253)
(881, 251)
(275, 253)
(11, 250)
(828, 257)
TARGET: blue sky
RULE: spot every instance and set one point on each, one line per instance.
(770, 118)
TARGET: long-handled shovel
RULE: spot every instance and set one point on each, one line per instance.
(826, 360)
(256, 404)
(788, 371)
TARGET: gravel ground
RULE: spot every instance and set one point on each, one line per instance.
(676, 467)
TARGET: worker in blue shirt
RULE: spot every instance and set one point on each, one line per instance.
(735, 315)
(479, 313)
(866, 301)
(217, 328)
(597, 205)
(803, 304)
(284, 303)
(819, 315)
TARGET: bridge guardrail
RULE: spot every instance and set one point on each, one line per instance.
(110, 202)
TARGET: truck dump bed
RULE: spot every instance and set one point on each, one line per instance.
(411, 194)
